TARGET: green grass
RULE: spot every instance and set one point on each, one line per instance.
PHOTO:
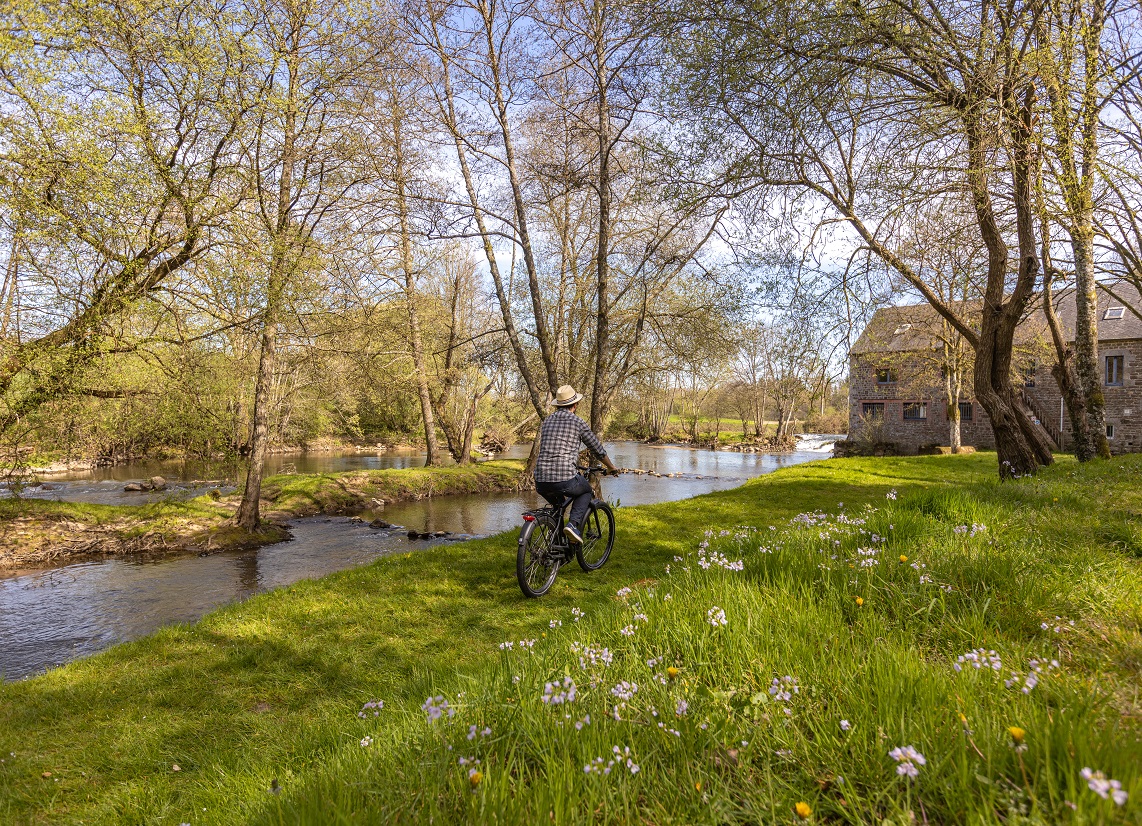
(264, 695)
(310, 493)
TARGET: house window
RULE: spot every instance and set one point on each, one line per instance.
(872, 410)
(1114, 370)
(965, 412)
(1110, 431)
(885, 375)
(1114, 312)
(915, 410)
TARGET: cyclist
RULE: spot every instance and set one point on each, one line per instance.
(560, 436)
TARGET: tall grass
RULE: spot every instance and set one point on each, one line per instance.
(842, 637)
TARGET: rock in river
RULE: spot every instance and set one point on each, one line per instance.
(133, 486)
(158, 483)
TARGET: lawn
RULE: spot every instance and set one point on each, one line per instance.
(258, 704)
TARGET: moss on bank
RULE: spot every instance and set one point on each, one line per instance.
(39, 533)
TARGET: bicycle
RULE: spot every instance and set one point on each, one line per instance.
(543, 548)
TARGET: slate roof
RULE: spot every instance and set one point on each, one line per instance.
(906, 328)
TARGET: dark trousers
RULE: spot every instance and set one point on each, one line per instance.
(577, 488)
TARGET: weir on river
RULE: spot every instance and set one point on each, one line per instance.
(50, 617)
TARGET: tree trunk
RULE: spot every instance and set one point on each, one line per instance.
(249, 514)
(418, 361)
(1086, 343)
(603, 249)
(1064, 375)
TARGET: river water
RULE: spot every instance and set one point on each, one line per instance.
(50, 617)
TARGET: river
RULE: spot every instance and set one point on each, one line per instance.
(50, 617)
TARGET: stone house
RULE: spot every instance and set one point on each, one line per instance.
(896, 390)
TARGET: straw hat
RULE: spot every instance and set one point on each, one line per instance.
(566, 396)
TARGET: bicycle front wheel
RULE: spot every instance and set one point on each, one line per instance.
(536, 563)
(598, 537)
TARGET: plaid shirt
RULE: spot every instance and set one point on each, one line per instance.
(559, 438)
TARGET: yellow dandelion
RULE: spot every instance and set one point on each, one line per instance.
(802, 810)
(903, 558)
(1017, 734)
(698, 785)
(859, 602)
(672, 673)
(475, 777)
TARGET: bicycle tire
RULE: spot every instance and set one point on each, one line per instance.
(535, 564)
(598, 532)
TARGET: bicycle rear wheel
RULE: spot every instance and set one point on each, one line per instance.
(598, 537)
(536, 562)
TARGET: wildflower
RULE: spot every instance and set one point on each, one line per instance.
(623, 593)
(506, 646)
(576, 615)
(979, 658)
(782, 690)
(1105, 788)
(624, 690)
(903, 558)
(641, 618)
(528, 644)
(846, 725)
(907, 759)
(1017, 738)
(586, 721)
(474, 777)
(891, 494)
(557, 694)
(555, 623)
(859, 602)
(802, 810)
(366, 742)
(374, 706)
(672, 672)
(436, 707)
(627, 631)
(716, 616)
(680, 708)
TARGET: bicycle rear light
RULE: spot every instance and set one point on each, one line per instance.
(527, 517)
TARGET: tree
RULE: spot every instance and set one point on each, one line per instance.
(304, 160)
(869, 113)
(122, 130)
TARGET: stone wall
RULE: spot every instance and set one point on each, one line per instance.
(910, 435)
(1123, 403)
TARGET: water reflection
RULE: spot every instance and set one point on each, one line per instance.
(54, 616)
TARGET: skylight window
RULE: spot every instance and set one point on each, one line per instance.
(1114, 312)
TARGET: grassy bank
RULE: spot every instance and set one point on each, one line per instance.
(37, 532)
(311, 493)
(257, 705)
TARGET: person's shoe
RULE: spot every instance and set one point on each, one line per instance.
(572, 534)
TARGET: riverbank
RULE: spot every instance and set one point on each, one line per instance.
(36, 533)
(292, 495)
(274, 734)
